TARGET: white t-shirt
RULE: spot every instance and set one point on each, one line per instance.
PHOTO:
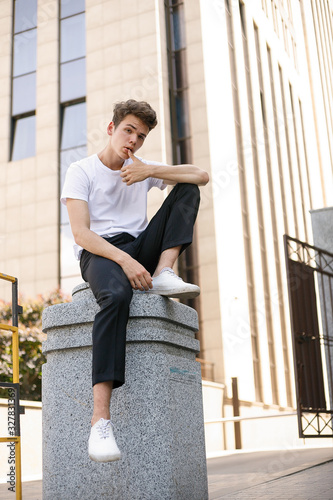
(113, 206)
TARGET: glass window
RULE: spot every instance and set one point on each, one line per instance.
(178, 28)
(181, 115)
(24, 138)
(69, 264)
(74, 123)
(74, 126)
(66, 158)
(184, 151)
(25, 15)
(179, 70)
(25, 52)
(73, 38)
(70, 7)
(67, 284)
(70, 156)
(72, 80)
(24, 94)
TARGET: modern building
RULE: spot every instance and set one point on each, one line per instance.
(243, 89)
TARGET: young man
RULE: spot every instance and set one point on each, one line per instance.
(106, 198)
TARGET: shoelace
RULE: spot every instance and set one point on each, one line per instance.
(104, 429)
(171, 272)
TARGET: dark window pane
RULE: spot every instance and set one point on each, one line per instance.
(182, 115)
(185, 151)
(180, 70)
(25, 15)
(24, 94)
(24, 138)
(73, 80)
(70, 7)
(74, 126)
(178, 28)
(73, 38)
(66, 158)
(25, 51)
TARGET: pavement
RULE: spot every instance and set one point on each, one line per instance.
(305, 474)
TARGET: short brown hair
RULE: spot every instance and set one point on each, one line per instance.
(141, 109)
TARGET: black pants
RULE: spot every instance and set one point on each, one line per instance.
(171, 226)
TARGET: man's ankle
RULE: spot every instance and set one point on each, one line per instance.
(96, 418)
(159, 270)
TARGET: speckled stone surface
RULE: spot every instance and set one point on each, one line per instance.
(157, 414)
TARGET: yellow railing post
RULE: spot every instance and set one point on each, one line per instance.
(15, 346)
(16, 379)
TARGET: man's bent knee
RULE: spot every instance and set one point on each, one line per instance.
(117, 296)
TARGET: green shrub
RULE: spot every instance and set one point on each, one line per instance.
(31, 337)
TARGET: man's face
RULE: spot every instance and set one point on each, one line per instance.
(129, 135)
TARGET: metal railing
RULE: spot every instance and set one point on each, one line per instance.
(250, 417)
(14, 385)
(310, 289)
(236, 420)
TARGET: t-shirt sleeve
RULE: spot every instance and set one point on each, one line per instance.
(153, 182)
(76, 184)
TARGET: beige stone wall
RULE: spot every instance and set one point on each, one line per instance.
(210, 309)
(29, 187)
(47, 134)
(7, 239)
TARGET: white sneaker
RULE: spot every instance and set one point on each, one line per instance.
(167, 283)
(102, 446)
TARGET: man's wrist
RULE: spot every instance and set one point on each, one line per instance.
(155, 171)
(122, 257)
(150, 170)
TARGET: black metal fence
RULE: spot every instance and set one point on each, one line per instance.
(310, 288)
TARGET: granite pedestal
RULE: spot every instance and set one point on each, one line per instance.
(157, 414)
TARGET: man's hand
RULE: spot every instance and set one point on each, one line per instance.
(135, 172)
(137, 275)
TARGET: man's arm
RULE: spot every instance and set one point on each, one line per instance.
(79, 217)
(170, 174)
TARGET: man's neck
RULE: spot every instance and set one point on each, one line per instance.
(110, 160)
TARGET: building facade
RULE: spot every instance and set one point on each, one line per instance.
(243, 89)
